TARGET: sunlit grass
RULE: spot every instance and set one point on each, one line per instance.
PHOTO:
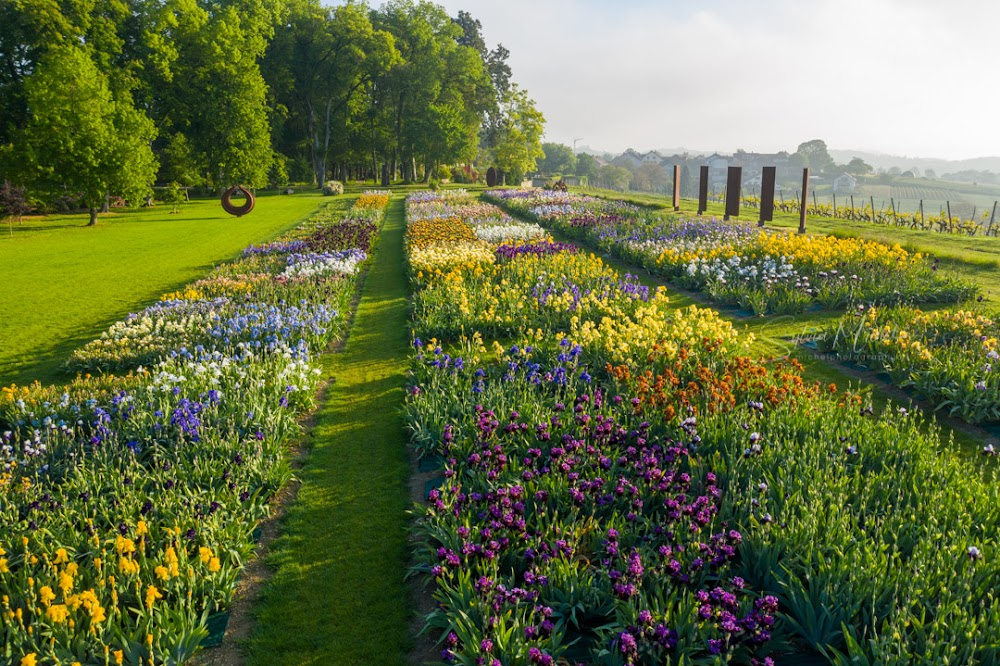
(338, 594)
(64, 283)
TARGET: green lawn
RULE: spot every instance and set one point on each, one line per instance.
(64, 283)
(338, 594)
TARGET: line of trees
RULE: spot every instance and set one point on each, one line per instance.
(623, 173)
(558, 158)
(103, 98)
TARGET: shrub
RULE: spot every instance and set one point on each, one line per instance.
(466, 174)
(333, 187)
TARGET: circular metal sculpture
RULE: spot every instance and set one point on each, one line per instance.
(233, 209)
(491, 177)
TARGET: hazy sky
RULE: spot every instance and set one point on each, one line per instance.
(909, 77)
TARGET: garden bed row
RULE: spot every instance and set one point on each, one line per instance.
(739, 263)
(623, 484)
(129, 501)
(945, 358)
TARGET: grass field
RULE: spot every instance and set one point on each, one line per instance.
(64, 283)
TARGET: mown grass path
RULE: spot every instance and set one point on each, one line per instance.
(338, 594)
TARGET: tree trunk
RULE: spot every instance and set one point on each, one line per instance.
(93, 217)
(314, 146)
(374, 152)
(326, 139)
(106, 206)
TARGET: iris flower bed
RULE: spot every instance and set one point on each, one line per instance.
(660, 497)
(469, 217)
(740, 264)
(948, 357)
(128, 502)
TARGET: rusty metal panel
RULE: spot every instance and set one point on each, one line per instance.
(767, 178)
(703, 190)
(804, 204)
(734, 183)
(677, 187)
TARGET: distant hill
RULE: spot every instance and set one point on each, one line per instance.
(666, 152)
(940, 166)
(843, 156)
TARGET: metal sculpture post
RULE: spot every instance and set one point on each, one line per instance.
(703, 190)
(734, 183)
(767, 178)
(804, 203)
(677, 187)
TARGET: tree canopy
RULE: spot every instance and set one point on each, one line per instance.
(519, 136)
(79, 138)
(815, 155)
(558, 158)
(858, 167)
(108, 97)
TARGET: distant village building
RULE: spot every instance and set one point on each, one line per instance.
(629, 158)
(845, 184)
(718, 171)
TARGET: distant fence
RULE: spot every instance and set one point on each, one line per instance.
(937, 215)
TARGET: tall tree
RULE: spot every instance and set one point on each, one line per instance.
(472, 32)
(219, 102)
(614, 177)
(815, 155)
(650, 177)
(438, 92)
(20, 46)
(79, 139)
(496, 67)
(558, 158)
(519, 138)
(320, 62)
(858, 167)
(586, 166)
